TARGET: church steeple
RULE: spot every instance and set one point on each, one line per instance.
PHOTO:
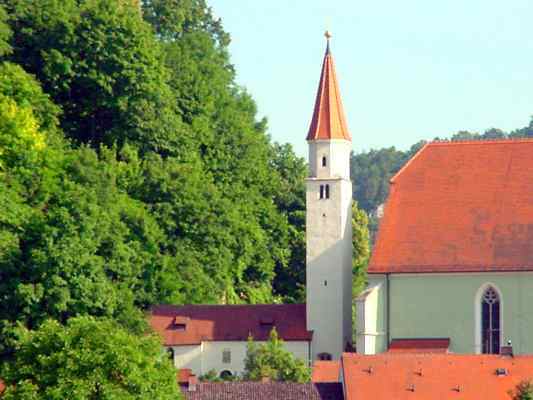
(328, 222)
(328, 120)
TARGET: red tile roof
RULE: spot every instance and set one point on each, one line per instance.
(326, 371)
(328, 120)
(432, 376)
(2, 386)
(265, 391)
(183, 376)
(460, 207)
(419, 345)
(229, 322)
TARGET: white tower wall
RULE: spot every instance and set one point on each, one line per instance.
(329, 248)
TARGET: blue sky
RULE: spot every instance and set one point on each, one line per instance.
(408, 70)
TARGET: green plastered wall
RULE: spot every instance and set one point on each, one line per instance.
(443, 305)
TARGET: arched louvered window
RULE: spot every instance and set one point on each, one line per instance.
(490, 321)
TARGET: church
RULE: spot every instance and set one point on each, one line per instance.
(453, 258)
(451, 270)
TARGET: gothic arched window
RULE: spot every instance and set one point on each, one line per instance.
(490, 321)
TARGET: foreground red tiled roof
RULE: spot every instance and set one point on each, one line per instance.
(328, 121)
(265, 391)
(419, 345)
(326, 371)
(228, 322)
(433, 376)
(460, 207)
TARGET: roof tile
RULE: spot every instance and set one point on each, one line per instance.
(265, 391)
(228, 322)
(432, 376)
(328, 120)
(460, 207)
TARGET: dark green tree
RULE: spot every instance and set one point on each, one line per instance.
(88, 359)
(102, 64)
(289, 282)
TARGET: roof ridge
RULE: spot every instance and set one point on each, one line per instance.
(481, 141)
(229, 305)
(412, 159)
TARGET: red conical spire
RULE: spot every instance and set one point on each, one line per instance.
(328, 120)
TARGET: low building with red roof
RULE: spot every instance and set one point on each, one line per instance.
(202, 338)
(454, 252)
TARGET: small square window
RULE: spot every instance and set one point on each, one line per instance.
(226, 356)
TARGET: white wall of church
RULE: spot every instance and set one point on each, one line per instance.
(329, 249)
(209, 355)
(370, 330)
(444, 306)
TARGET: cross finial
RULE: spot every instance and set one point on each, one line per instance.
(328, 35)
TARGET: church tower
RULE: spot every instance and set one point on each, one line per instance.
(328, 221)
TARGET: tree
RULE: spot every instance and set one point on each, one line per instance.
(102, 64)
(5, 33)
(88, 359)
(271, 360)
(361, 247)
(523, 391)
(289, 282)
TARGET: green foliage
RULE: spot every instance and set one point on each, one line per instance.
(271, 360)
(289, 281)
(212, 376)
(523, 391)
(169, 191)
(361, 247)
(87, 359)
(102, 64)
(5, 33)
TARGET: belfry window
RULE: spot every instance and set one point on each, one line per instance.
(324, 161)
(327, 191)
(321, 191)
(490, 321)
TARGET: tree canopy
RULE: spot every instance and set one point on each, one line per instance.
(88, 359)
(271, 360)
